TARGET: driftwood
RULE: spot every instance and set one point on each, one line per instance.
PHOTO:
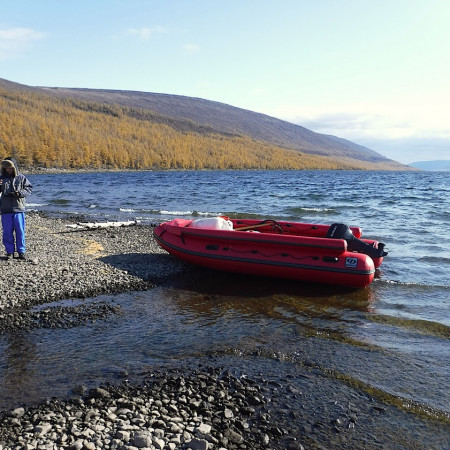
(97, 225)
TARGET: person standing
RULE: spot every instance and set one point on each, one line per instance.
(14, 187)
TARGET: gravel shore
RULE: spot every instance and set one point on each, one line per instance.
(166, 411)
(63, 262)
(198, 410)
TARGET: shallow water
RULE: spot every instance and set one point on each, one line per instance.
(389, 339)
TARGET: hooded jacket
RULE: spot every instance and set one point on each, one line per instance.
(14, 188)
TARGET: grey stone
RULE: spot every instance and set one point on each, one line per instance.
(18, 412)
(142, 439)
(203, 428)
(123, 435)
(42, 429)
(233, 436)
(198, 444)
(77, 445)
(228, 414)
(158, 443)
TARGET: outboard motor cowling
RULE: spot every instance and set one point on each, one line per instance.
(342, 231)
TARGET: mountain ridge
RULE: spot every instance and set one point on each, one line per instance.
(192, 114)
(228, 119)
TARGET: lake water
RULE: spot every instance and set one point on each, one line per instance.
(390, 339)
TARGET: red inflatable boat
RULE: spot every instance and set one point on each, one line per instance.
(307, 252)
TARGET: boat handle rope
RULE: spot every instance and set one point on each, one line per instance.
(275, 226)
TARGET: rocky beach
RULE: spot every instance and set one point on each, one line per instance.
(203, 406)
(198, 410)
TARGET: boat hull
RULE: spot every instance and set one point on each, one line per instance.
(269, 252)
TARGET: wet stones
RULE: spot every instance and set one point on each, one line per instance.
(56, 317)
(153, 414)
(61, 265)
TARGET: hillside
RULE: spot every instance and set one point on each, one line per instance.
(124, 129)
(229, 119)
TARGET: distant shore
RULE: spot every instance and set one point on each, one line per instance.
(45, 170)
(50, 170)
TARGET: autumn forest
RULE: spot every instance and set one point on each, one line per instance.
(43, 131)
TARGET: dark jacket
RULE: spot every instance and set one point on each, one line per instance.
(14, 189)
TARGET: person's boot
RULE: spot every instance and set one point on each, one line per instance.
(22, 256)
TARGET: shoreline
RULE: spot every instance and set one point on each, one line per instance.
(52, 171)
(203, 406)
(63, 262)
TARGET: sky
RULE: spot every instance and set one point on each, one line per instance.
(373, 72)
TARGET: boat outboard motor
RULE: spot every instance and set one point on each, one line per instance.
(342, 231)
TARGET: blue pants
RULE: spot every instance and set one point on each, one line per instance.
(13, 223)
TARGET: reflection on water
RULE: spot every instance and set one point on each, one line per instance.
(214, 316)
(18, 367)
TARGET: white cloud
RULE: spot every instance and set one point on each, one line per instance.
(14, 41)
(371, 121)
(146, 33)
(191, 48)
(395, 132)
(359, 124)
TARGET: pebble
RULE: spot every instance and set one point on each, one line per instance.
(84, 422)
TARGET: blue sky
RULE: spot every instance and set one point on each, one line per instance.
(374, 72)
